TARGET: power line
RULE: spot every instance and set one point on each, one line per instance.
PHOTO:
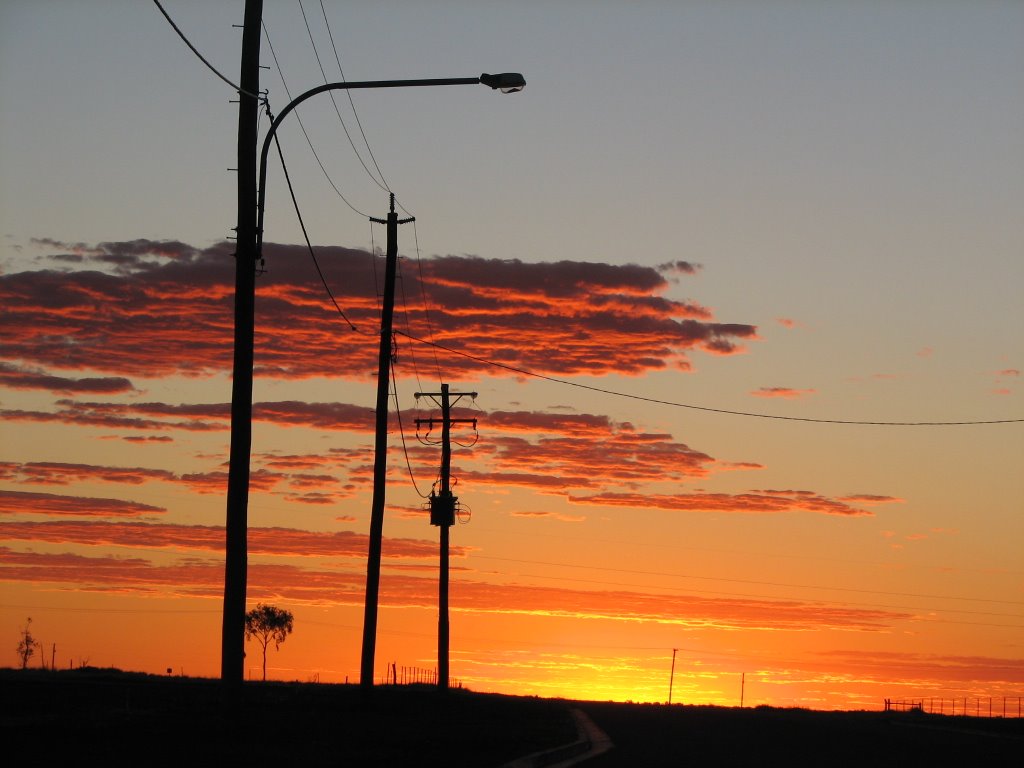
(674, 404)
(309, 141)
(747, 595)
(401, 431)
(423, 293)
(405, 314)
(344, 127)
(746, 554)
(752, 581)
(436, 345)
(353, 105)
(309, 245)
(201, 57)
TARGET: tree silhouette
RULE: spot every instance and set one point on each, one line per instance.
(266, 623)
(28, 645)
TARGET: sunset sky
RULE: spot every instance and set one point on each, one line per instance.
(738, 285)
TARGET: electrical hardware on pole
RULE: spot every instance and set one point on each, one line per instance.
(442, 514)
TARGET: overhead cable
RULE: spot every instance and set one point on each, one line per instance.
(309, 141)
(203, 58)
(353, 105)
(337, 111)
(309, 245)
(675, 404)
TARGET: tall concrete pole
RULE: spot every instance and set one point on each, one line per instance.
(380, 451)
(232, 669)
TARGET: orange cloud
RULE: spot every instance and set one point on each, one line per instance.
(17, 377)
(398, 588)
(614, 454)
(870, 498)
(56, 473)
(602, 318)
(786, 393)
(926, 670)
(289, 542)
(199, 417)
(20, 502)
(551, 516)
(753, 502)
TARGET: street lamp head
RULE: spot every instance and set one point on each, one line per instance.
(508, 82)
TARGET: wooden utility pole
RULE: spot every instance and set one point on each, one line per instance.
(442, 514)
(672, 675)
(232, 670)
(380, 451)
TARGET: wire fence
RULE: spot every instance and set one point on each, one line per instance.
(397, 675)
(964, 706)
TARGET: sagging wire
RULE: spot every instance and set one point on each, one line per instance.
(423, 293)
(355, 114)
(323, 72)
(305, 234)
(405, 312)
(258, 96)
(373, 269)
(401, 431)
(309, 141)
(676, 404)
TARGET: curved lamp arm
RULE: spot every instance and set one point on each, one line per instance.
(508, 82)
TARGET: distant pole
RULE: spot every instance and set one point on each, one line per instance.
(442, 514)
(743, 687)
(232, 669)
(380, 451)
(672, 675)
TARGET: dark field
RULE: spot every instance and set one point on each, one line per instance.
(113, 719)
(656, 736)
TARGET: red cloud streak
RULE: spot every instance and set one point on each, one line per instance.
(287, 582)
(19, 502)
(786, 393)
(753, 502)
(160, 309)
(262, 541)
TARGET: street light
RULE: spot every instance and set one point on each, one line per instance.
(236, 559)
(507, 82)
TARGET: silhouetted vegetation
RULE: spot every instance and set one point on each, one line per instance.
(28, 644)
(266, 623)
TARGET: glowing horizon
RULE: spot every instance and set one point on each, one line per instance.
(689, 309)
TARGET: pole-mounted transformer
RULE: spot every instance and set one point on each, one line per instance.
(442, 514)
(442, 509)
